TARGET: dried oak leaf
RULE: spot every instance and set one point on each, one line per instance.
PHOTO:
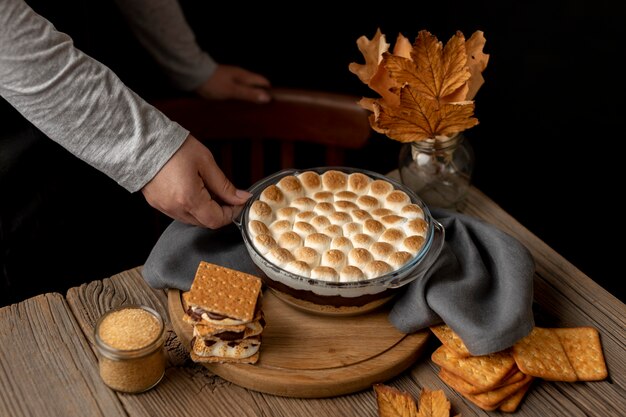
(418, 118)
(477, 62)
(394, 403)
(434, 70)
(372, 51)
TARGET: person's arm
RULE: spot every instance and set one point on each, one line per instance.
(82, 105)
(161, 27)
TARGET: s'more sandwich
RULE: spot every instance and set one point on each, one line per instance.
(224, 306)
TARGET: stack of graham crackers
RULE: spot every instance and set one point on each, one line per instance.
(500, 380)
(224, 307)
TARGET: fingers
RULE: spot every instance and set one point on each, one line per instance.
(251, 78)
(184, 186)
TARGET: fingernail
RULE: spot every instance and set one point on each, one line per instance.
(243, 194)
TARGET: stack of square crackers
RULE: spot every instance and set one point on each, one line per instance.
(224, 307)
(500, 380)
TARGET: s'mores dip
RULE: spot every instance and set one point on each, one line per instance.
(336, 226)
(224, 307)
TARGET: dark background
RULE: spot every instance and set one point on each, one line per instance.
(548, 146)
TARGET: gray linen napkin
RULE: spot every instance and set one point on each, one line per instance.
(481, 284)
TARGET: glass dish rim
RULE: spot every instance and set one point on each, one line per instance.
(384, 280)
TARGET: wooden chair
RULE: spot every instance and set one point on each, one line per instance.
(246, 137)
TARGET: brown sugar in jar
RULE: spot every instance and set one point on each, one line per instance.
(130, 342)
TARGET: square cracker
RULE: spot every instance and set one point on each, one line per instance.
(495, 397)
(465, 387)
(448, 337)
(481, 371)
(218, 359)
(584, 351)
(541, 354)
(224, 291)
(510, 404)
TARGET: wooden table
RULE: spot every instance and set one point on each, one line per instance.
(48, 366)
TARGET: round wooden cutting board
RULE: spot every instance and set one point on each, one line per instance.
(311, 356)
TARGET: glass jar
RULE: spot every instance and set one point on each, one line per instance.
(129, 341)
(438, 170)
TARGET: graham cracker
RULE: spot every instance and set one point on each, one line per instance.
(584, 351)
(224, 291)
(247, 330)
(481, 371)
(541, 354)
(448, 337)
(218, 359)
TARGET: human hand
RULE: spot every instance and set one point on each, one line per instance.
(229, 82)
(184, 187)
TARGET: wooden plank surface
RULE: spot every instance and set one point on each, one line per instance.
(31, 330)
(46, 366)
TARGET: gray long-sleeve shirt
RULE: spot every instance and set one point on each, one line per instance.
(82, 105)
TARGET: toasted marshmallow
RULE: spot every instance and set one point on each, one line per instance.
(305, 216)
(352, 228)
(393, 220)
(303, 229)
(298, 268)
(307, 255)
(416, 226)
(273, 196)
(360, 215)
(325, 273)
(263, 243)
(318, 241)
(367, 202)
(396, 199)
(287, 213)
(372, 227)
(359, 257)
(310, 181)
(351, 273)
(412, 211)
(291, 187)
(303, 203)
(261, 211)
(340, 218)
(359, 183)
(324, 208)
(397, 259)
(323, 197)
(412, 244)
(279, 227)
(380, 188)
(345, 206)
(361, 240)
(334, 181)
(376, 268)
(381, 212)
(256, 227)
(393, 236)
(320, 222)
(333, 231)
(279, 256)
(381, 250)
(334, 258)
(289, 240)
(341, 243)
(346, 195)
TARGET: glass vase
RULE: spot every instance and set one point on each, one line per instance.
(438, 170)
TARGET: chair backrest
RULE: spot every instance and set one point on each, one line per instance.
(244, 136)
